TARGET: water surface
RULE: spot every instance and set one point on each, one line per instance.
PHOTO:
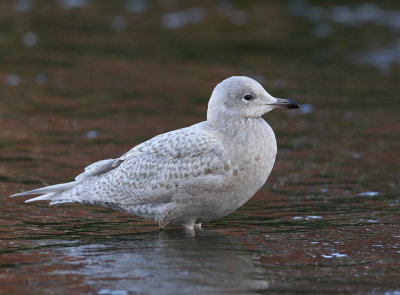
(82, 81)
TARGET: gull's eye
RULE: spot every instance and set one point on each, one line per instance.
(248, 97)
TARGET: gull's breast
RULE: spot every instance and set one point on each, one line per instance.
(250, 163)
(255, 155)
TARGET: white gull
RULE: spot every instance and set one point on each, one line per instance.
(190, 175)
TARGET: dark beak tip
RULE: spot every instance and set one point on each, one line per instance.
(293, 105)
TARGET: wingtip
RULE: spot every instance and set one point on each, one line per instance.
(17, 195)
(25, 193)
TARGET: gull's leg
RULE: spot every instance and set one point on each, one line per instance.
(189, 225)
(162, 223)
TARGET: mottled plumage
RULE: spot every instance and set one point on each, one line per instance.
(190, 175)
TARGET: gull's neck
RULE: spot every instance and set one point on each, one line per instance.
(231, 126)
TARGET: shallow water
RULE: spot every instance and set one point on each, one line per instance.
(82, 81)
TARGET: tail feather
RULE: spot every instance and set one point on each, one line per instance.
(57, 188)
(41, 198)
(61, 193)
(52, 193)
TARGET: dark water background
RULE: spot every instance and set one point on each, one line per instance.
(83, 80)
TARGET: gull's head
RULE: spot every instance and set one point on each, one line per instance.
(241, 97)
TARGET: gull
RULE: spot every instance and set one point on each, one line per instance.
(191, 175)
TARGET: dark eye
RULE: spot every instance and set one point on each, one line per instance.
(248, 97)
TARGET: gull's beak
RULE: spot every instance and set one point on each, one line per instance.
(285, 103)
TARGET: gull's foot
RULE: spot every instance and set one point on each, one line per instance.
(189, 225)
(192, 226)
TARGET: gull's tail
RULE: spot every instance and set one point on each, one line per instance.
(69, 192)
(49, 192)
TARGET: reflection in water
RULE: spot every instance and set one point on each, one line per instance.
(23, 5)
(345, 14)
(179, 19)
(68, 4)
(381, 57)
(323, 18)
(136, 6)
(171, 262)
(29, 39)
(13, 80)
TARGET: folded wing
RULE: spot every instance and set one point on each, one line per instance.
(149, 173)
